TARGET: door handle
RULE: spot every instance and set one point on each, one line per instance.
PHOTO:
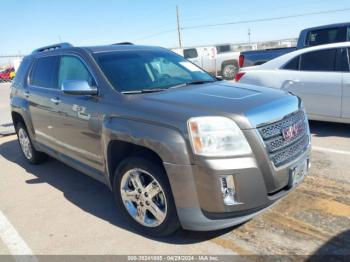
(55, 100)
(26, 93)
(293, 81)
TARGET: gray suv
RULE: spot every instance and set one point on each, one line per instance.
(177, 147)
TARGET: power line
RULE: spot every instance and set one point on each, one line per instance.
(266, 19)
(244, 22)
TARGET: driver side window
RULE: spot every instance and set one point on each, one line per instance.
(72, 68)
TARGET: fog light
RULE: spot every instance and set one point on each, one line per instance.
(228, 190)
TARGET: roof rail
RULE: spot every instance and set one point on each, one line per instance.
(52, 47)
(123, 43)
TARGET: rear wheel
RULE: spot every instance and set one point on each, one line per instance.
(143, 194)
(229, 71)
(29, 152)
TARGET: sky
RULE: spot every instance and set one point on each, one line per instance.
(29, 24)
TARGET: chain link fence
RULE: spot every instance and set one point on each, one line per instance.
(8, 67)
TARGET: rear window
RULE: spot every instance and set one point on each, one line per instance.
(224, 49)
(293, 64)
(21, 72)
(190, 53)
(322, 60)
(325, 36)
(44, 72)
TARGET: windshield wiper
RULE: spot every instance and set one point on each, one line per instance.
(197, 82)
(142, 91)
(152, 90)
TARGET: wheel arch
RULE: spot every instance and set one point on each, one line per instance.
(123, 138)
(20, 112)
(119, 150)
(229, 62)
(16, 118)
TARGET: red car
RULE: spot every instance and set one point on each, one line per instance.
(7, 75)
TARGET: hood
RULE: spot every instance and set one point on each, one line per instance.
(248, 105)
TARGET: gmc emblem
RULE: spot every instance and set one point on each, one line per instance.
(292, 131)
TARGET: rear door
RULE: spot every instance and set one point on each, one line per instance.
(346, 85)
(317, 81)
(42, 94)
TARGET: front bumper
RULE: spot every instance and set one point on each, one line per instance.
(198, 197)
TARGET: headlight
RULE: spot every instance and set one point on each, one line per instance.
(216, 136)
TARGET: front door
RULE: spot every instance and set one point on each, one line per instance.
(78, 131)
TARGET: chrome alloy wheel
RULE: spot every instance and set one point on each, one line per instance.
(143, 197)
(25, 143)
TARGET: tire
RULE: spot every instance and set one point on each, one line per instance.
(29, 152)
(125, 180)
(229, 71)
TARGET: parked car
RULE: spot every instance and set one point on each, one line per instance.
(7, 75)
(333, 33)
(176, 146)
(219, 60)
(319, 75)
(12, 74)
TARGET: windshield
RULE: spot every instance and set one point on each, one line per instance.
(156, 70)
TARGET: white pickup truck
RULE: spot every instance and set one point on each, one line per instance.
(218, 60)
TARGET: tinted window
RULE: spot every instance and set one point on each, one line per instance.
(293, 64)
(145, 69)
(72, 68)
(190, 53)
(325, 36)
(44, 72)
(223, 49)
(323, 60)
(342, 64)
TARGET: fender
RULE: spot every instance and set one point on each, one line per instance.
(21, 106)
(165, 141)
(229, 62)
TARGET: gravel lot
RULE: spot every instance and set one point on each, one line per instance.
(54, 209)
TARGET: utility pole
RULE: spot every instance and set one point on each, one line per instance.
(248, 35)
(178, 26)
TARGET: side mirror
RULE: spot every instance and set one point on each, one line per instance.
(78, 87)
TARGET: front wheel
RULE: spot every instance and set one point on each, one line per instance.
(142, 192)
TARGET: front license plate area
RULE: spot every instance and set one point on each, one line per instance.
(298, 172)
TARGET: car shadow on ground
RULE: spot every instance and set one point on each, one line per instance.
(88, 194)
(326, 129)
(335, 249)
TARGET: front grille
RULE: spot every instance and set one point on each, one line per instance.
(281, 150)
